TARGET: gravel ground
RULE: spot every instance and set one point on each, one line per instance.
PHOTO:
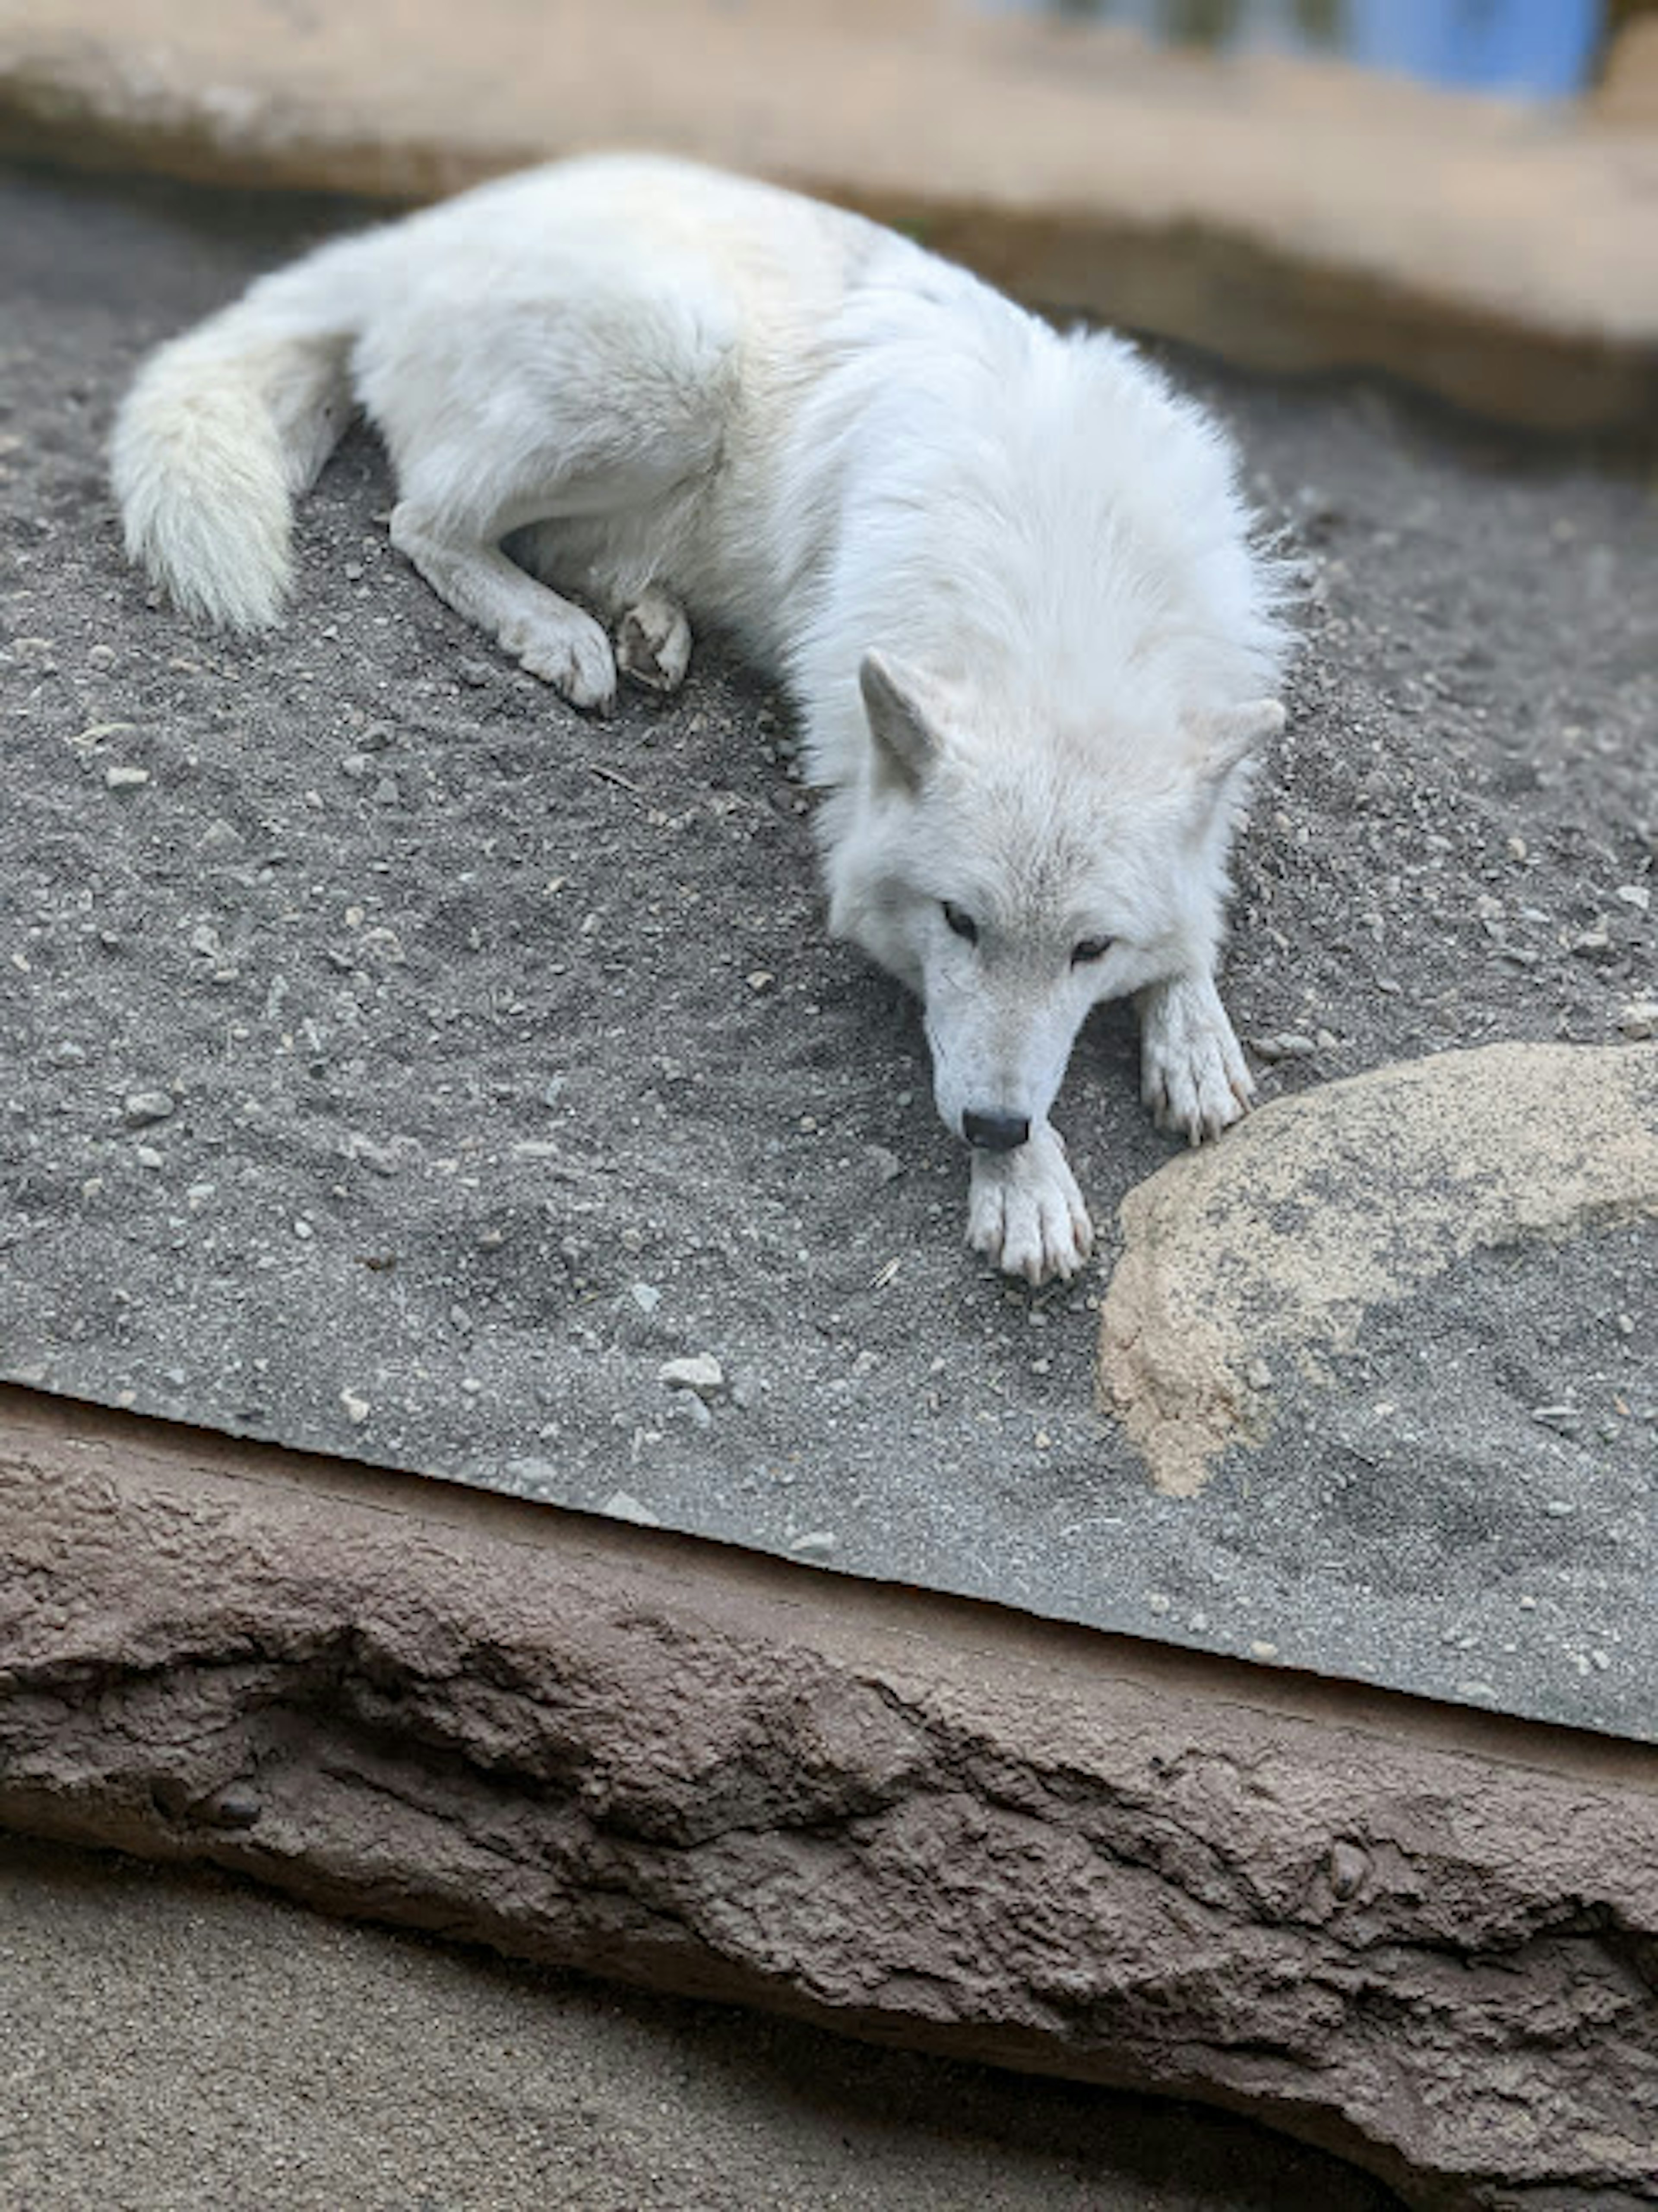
(396, 1062)
(180, 2044)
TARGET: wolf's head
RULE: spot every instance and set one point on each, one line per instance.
(1014, 877)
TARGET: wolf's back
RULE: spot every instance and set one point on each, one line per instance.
(224, 426)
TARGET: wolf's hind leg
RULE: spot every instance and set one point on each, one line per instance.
(1025, 1212)
(551, 638)
(1193, 1075)
(654, 641)
(581, 423)
(652, 630)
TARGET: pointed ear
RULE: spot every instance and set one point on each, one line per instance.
(907, 738)
(1228, 737)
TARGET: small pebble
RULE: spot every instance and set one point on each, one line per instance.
(1564, 1418)
(141, 1109)
(236, 1806)
(620, 1505)
(1263, 1651)
(1349, 1865)
(701, 1373)
(126, 779)
(383, 1161)
(816, 1544)
(1289, 1044)
(355, 1408)
(645, 1296)
(1638, 1019)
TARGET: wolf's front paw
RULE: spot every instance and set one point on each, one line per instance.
(1193, 1072)
(1025, 1212)
(576, 660)
(653, 642)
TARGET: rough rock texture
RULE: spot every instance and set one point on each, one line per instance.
(1428, 1941)
(176, 2040)
(1324, 1206)
(1286, 215)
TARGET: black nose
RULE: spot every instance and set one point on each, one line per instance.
(995, 1132)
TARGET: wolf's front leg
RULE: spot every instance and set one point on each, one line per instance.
(1193, 1071)
(1024, 1210)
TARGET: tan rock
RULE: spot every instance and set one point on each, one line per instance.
(1279, 1240)
(1292, 217)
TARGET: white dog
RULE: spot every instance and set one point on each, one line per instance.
(1006, 575)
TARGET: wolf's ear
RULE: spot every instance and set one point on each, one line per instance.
(1231, 735)
(906, 738)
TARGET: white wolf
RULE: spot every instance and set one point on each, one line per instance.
(1006, 575)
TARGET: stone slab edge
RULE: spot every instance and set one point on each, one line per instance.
(1290, 218)
(1423, 1939)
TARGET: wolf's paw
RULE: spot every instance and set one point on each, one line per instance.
(653, 642)
(576, 660)
(1193, 1072)
(1025, 1212)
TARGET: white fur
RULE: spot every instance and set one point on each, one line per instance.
(1006, 575)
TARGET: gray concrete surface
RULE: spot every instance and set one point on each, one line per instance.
(183, 2044)
(478, 1116)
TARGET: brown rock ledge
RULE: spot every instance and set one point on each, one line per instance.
(1289, 217)
(1426, 1940)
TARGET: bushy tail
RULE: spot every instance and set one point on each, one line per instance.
(225, 426)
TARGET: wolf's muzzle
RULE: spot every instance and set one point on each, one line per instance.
(995, 1132)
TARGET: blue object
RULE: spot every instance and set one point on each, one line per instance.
(1545, 48)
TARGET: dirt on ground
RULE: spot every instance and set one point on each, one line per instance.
(396, 1063)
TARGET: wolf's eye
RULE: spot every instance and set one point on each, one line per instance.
(1091, 948)
(963, 924)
